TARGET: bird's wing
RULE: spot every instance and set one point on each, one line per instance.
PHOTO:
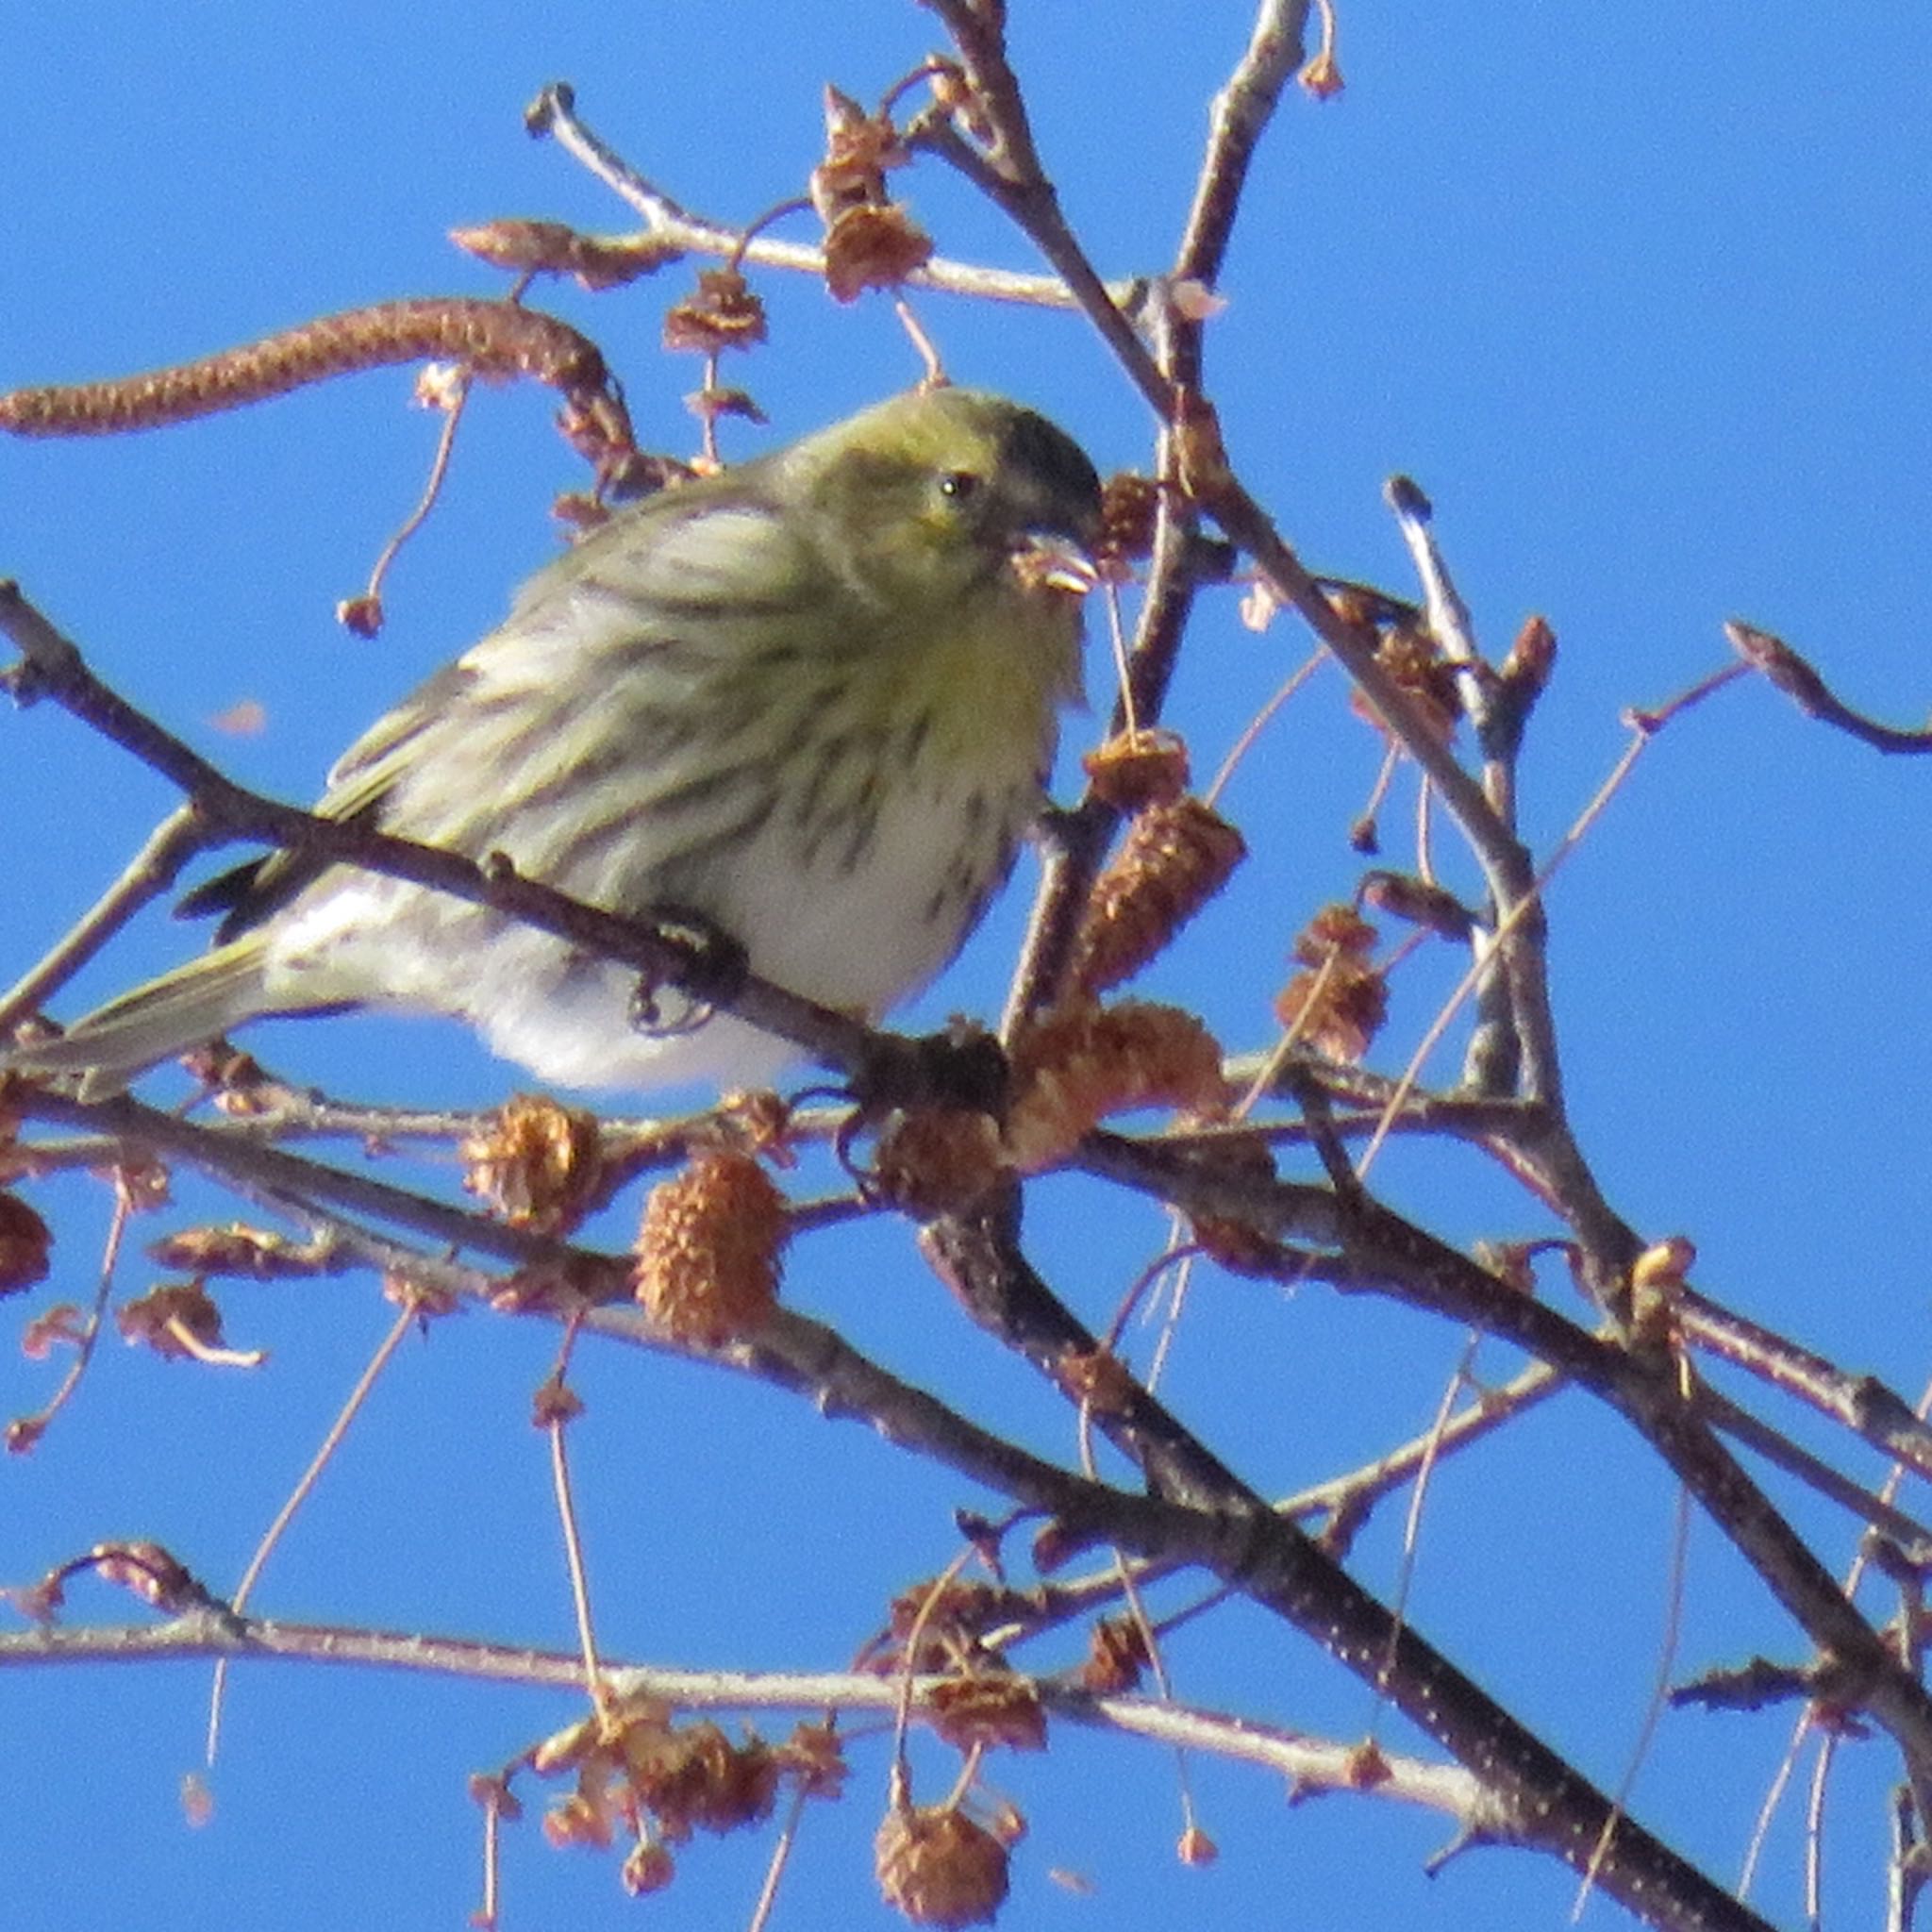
(362, 778)
(692, 574)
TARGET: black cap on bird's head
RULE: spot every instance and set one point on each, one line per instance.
(1045, 452)
(1054, 551)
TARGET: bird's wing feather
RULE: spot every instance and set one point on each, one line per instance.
(695, 572)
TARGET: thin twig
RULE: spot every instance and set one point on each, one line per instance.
(1861, 1404)
(554, 114)
(558, 1408)
(1798, 680)
(305, 1488)
(246, 1158)
(151, 872)
(1237, 121)
(1378, 1252)
(1737, 1423)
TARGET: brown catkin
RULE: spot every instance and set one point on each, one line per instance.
(707, 1250)
(496, 338)
(1174, 858)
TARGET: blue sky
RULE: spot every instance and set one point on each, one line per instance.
(1641, 303)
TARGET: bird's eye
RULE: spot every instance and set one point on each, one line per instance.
(960, 485)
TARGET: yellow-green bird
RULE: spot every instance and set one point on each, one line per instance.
(812, 700)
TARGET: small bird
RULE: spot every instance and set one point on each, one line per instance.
(812, 701)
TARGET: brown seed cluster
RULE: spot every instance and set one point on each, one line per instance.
(1082, 1062)
(873, 248)
(178, 1321)
(708, 1252)
(1128, 506)
(1137, 767)
(636, 1774)
(498, 338)
(26, 1243)
(871, 241)
(1174, 858)
(987, 1708)
(1068, 1072)
(537, 1164)
(950, 1620)
(723, 313)
(1116, 1655)
(935, 1160)
(1339, 1003)
(249, 1253)
(939, 1867)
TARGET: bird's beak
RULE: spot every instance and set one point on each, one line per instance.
(1051, 560)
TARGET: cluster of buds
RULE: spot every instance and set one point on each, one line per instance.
(554, 248)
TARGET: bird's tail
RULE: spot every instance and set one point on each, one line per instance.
(171, 1015)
